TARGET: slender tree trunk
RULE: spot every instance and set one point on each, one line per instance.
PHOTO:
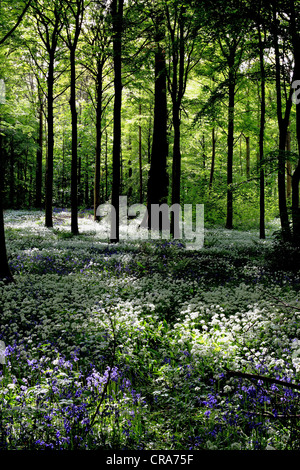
(106, 166)
(283, 126)
(39, 158)
(203, 152)
(86, 182)
(296, 175)
(129, 194)
(140, 157)
(248, 157)
(97, 200)
(177, 95)
(230, 143)
(74, 162)
(213, 157)
(281, 186)
(50, 147)
(5, 273)
(117, 15)
(262, 232)
(12, 174)
(295, 205)
(176, 171)
(176, 157)
(63, 172)
(288, 167)
(158, 176)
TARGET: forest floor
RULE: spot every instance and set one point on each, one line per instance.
(146, 345)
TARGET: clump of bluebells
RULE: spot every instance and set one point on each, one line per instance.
(65, 409)
(143, 345)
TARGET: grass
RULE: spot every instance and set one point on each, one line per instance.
(144, 345)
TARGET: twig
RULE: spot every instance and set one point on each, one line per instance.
(262, 377)
(279, 300)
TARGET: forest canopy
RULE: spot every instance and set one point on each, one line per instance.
(177, 102)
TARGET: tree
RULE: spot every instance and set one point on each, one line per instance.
(231, 37)
(73, 18)
(17, 23)
(182, 22)
(4, 267)
(283, 122)
(97, 39)
(39, 153)
(262, 233)
(295, 40)
(49, 24)
(117, 9)
(158, 177)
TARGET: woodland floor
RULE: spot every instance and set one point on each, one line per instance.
(143, 344)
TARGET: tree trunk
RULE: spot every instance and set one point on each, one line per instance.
(296, 174)
(230, 143)
(5, 273)
(86, 182)
(288, 168)
(295, 205)
(262, 232)
(178, 86)
(158, 177)
(12, 174)
(106, 166)
(176, 170)
(117, 17)
(283, 126)
(213, 157)
(140, 157)
(50, 147)
(39, 158)
(248, 157)
(97, 200)
(63, 177)
(74, 169)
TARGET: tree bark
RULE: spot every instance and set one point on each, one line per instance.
(140, 157)
(248, 157)
(283, 126)
(288, 168)
(74, 161)
(296, 175)
(97, 199)
(5, 273)
(262, 232)
(39, 158)
(230, 143)
(213, 157)
(12, 174)
(50, 151)
(158, 176)
(117, 17)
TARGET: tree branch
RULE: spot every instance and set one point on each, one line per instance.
(17, 23)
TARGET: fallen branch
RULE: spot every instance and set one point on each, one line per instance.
(245, 375)
(279, 300)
